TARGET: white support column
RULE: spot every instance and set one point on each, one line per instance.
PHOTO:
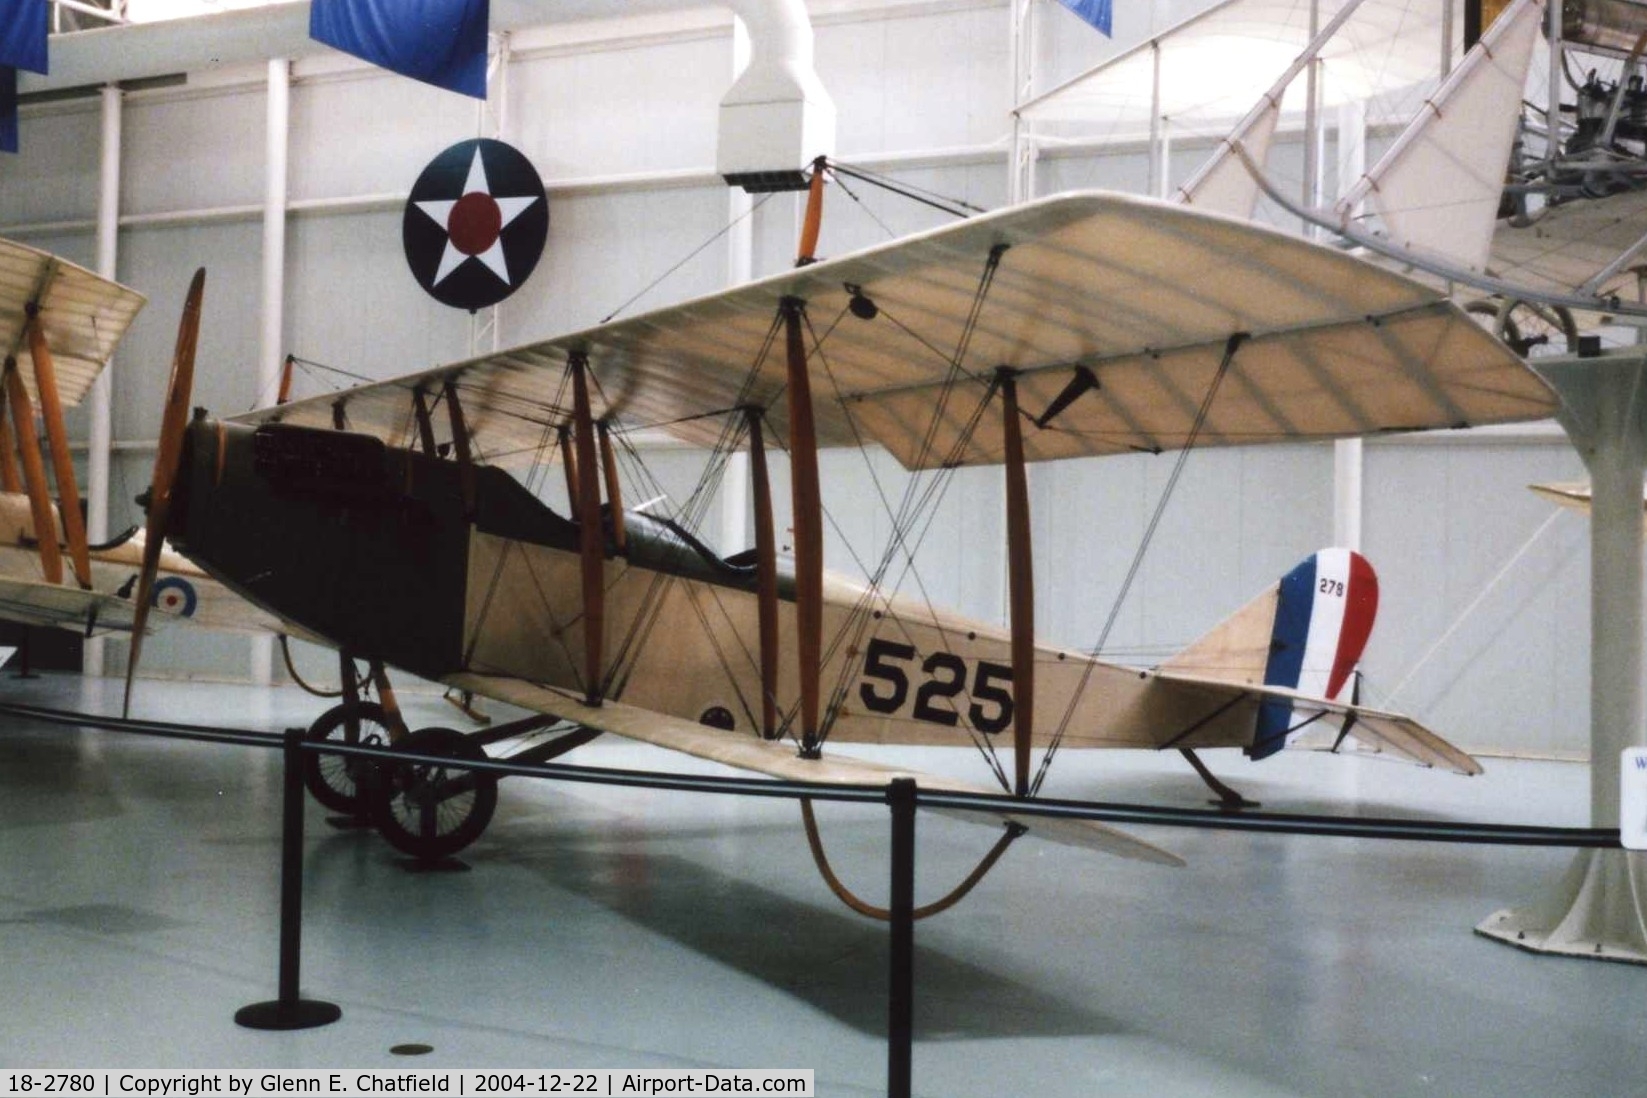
(491, 117)
(1349, 456)
(1552, 102)
(1348, 474)
(1312, 125)
(1598, 909)
(1021, 161)
(1160, 154)
(1449, 31)
(271, 349)
(101, 402)
(740, 268)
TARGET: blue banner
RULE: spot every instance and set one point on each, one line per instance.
(8, 109)
(1096, 12)
(23, 34)
(440, 42)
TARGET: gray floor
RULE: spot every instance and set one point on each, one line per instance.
(601, 927)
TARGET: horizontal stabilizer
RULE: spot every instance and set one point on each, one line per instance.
(1391, 732)
(778, 759)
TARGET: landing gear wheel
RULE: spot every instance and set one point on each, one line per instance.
(432, 812)
(338, 781)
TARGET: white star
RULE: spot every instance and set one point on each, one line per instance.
(440, 212)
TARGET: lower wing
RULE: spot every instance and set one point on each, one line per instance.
(778, 759)
(34, 602)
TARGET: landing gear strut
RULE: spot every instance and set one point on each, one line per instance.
(337, 781)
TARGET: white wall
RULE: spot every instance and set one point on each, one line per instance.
(620, 120)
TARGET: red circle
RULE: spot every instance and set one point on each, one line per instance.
(474, 223)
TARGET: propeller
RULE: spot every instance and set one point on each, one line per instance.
(166, 461)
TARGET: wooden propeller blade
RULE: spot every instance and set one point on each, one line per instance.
(172, 425)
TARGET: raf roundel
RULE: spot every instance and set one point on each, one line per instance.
(174, 596)
(475, 224)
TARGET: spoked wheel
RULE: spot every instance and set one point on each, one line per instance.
(432, 812)
(339, 781)
(1524, 325)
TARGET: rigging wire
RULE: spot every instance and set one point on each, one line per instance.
(955, 207)
(859, 615)
(864, 206)
(693, 254)
(1190, 440)
(1475, 603)
(690, 516)
(310, 367)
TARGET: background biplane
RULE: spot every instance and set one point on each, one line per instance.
(59, 325)
(383, 519)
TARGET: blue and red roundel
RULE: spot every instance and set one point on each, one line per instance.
(175, 595)
(1324, 612)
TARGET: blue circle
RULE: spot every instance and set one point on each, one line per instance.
(184, 589)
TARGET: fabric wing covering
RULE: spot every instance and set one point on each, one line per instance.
(34, 603)
(1140, 295)
(83, 315)
(778, 759)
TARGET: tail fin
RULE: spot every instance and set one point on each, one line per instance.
(1305, 633)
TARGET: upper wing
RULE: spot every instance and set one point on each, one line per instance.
(779, 760)
(82, 314)
(1386, 731)
(1138, 296)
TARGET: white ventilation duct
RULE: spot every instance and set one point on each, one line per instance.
(773, 123)
(777, 118)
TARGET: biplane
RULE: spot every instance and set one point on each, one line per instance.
(59, 325)
(389, 519)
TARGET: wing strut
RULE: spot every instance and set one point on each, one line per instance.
(10, 480)
(807, 251)
(569, 462)
(1020, 583)
(51, 412)
(283, 395)
(614, 490)
(425, 425)
(591, 540)
(808, 504)
(766, 574)
(460, 445)
(34, 474)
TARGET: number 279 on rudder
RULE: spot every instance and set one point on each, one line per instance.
(943, 677)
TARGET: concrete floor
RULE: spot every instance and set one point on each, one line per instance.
(601, 927)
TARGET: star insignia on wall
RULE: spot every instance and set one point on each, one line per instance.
(475, 223)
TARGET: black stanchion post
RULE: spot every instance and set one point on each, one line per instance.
(290, 1011)
(900, 1026)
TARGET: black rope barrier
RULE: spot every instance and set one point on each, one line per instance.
(290, 1010)
(1282, 823)
(902, 796)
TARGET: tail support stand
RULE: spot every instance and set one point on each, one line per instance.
(290, 1011)
(900, 1026)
